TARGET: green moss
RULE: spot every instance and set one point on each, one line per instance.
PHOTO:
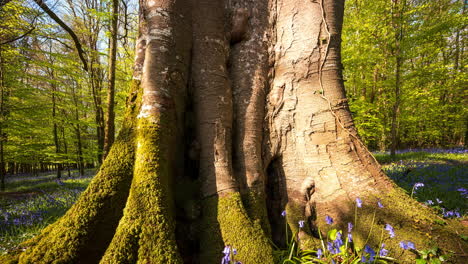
(227, 223)
(84, 232)
(146, 232)
(294, 214)
(255, 205)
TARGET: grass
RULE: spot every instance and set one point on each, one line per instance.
(30, 204)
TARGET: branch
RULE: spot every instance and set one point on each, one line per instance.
(19, 37)
(52, 15)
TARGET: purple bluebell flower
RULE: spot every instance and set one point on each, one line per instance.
(234, 251)
(371, 253)
(319, 253)
(283, 214)
(411, 245)
(403, 245)
(350, 227)
(330, 247)
(350, 238)
(417, 185)
(226, 258)
(329, 220)
(463, 191)
(457, 214)
(301, 224)
(380, 204)
(338, 241)
(439, 201)
(429, 202)
(383, 252)
(363, 259)
(390, 230)
(358, 202)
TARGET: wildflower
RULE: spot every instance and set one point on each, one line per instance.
(226, 258)
(301, 224)
(383, 252)
(380, 204)
(350, 227)
(358, 202)
(283, 214)
(429, 202)
(403, 245)
(329, 220)
(439, 201)
(417, 185)
(411, 245)
(463, 192)
(330, 247)
(234, 251)
(319, 253)
(457, 214)
(363, 259)
(371, 252)
(390, 230)
(350, 238)
(338, 241)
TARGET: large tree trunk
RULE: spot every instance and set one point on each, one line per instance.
(272, 131)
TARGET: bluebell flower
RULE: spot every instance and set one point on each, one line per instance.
(283, 214)
(234, 251)
(226, 258)
(363, 259)
(380, 204)
(359, 202)
(330, 247)
(371, 253)
(403, 245)
(390, 230)
(411, 245)
(329, 220)
(417, 185)
(301, 224)
(383, 252)
(319, 253)
(463, 192)
(429, 202)
(439, 201)
(350, 238)
(350, 227)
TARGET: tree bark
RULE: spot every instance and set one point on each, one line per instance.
(272, 131)
(110, 115)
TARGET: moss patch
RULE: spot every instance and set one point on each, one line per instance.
(227, 223)
(146, 232)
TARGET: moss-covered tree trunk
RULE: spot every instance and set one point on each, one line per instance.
(237, 112)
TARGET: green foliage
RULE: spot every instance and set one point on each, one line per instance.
(428, 37)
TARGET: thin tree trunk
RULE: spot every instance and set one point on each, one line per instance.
(2, 122)
(55, 132)
(110, 117)
(397, 22)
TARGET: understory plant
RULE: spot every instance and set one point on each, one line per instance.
(339, 247)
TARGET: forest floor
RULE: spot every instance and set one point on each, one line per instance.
(437, 178)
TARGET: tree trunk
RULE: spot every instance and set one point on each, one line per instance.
(110, 115)
(2, 125)
(272, 132)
